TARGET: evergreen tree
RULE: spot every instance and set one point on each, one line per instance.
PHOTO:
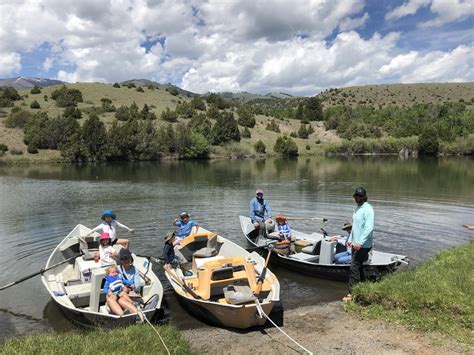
(35, 90)
(260, 147)
(198, 104)
(285, 146)
(225, 129)
(428, 143)
(313, 111)
(94, 137)
(200, 124)
(246, 117)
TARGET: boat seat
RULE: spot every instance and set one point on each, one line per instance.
(312, 249)
(209, 250)
(222, 273)
(305, 257)
(238, 294)
(80, 290)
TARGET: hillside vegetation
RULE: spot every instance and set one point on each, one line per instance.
(138, 120)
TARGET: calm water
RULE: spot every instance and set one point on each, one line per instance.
(420, 209)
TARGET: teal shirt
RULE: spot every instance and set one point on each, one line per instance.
(363, 226)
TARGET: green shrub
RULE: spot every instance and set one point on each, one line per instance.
(35, 105)
(16, 152)
(73, 112)
(3, 148)
(139, 89)
(122, 113)
(35, 90)
(116, 85)
(260, 147)
(245, 133)
(273, 126)
(200, 124)
(285, 146)
(185, 110)
(246, 117)
(172, 90)
(225, 129)
(169, 116)
(213, 112)
(197, 103)
(303, 132)
(17, 118)
(66, 97)
(428, 142)
(8, 95)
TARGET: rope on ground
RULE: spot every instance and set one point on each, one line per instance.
(260, 311)
(143, 317)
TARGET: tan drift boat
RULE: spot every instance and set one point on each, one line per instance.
(224, 287)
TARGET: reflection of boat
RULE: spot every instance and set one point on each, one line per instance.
(223, 282)
(315, 255)
(76, 286)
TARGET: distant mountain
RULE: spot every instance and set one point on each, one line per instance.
(27, 82)
(146, 82)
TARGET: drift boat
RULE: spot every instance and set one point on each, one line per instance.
(76, 285)
(315, 255)
(224, 282)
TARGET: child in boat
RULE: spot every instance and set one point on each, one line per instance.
(110, 225)
(284, 234)
(170, 258)
(344, 257)
(117, 298)
(185, 226)
(106, 250)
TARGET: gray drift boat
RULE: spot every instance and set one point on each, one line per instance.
(76, 285)
(315, 255)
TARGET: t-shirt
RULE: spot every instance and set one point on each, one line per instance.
(110, 228)
(106, 255)
(185, 228)
(168, 253)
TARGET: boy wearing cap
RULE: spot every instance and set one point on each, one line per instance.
(261, 213)
(185, 226)
(169, 256)
(361, 237)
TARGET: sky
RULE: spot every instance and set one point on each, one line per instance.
(299, 47)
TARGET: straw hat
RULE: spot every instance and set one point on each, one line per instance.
(170, 235)
(347, 225)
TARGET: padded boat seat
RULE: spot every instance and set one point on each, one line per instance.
(305, 257)
(222, 273)
(209, 250)
(238, 294)
(80, 290)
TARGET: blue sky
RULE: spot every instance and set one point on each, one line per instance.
(299, 47)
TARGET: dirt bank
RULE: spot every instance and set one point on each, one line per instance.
(325, 328)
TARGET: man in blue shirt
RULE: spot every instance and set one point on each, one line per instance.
(261, 214)
(361, 237)
(185, 226)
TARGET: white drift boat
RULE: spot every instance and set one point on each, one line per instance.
(224, 286)
(76, 285)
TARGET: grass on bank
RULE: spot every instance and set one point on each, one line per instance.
(436, 296)
(136, 339)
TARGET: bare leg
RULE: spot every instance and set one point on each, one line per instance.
(114, 305)
(125, 296)
(123, 242)
(127, 305)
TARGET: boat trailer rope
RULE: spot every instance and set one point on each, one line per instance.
(262, 313)
(143, 317)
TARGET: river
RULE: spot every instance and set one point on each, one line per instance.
(420, 208)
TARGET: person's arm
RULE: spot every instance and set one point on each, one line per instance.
(368, 225)
(136, 281)
(106, 286)
(177, 223)
(124, 226)
(98, 228)
(252, 211)
(268, 210)
(165, 253)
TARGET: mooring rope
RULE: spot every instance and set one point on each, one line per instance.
(260, 310)
(143, 316)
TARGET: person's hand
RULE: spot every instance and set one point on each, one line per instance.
(269, 220)
(333, 238)
(356, 246)
(348, 244)
(256, 224)
(132, 231)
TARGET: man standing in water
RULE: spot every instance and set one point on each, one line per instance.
(361, 237)
(261, 214)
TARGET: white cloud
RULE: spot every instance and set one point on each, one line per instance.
(9, 63)
(408, 8)
(350, 24)
(257, 46)
(446, 11)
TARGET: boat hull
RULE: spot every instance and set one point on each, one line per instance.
(212, 313)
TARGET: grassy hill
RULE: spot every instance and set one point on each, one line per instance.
(377, 96)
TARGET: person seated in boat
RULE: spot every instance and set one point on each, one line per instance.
(261, 214)
(170, 259)
(284, 234)
(128, 271)
(185, 226)
(344, 257)
(109, 225)
(106, 250)
(116, 292)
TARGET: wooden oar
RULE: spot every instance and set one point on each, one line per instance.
(261, 278)
(186, 288)
(36, 273)
(307, 219)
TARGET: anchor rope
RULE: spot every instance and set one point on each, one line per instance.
(260, 310)
(143, 316)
